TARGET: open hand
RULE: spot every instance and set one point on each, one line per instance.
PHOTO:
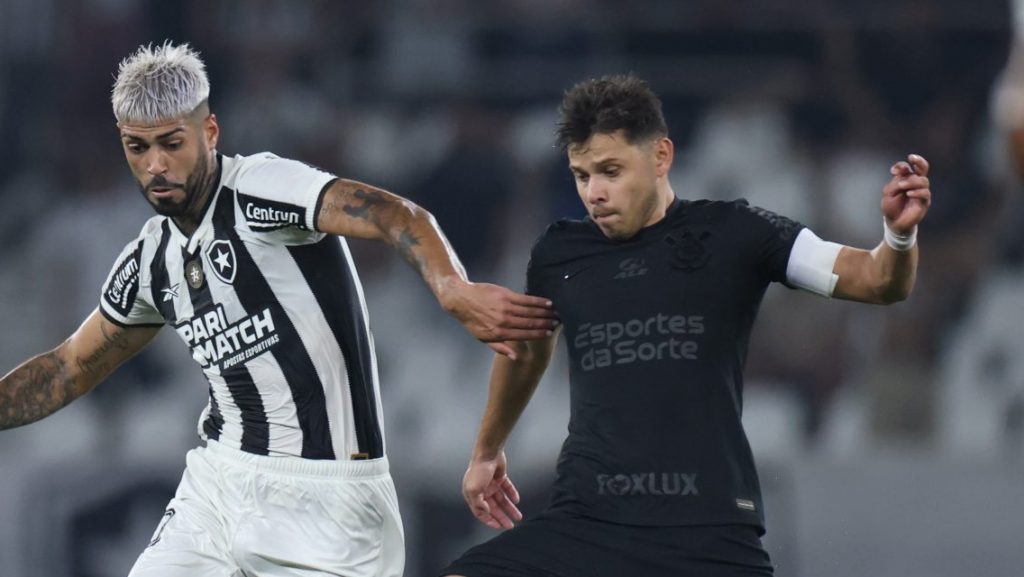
(490, 494)
(907, 196)
(494, 314)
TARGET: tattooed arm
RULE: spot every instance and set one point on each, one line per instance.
(48, 382)
(491, 313)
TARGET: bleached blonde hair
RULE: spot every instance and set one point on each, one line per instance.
(157, 84)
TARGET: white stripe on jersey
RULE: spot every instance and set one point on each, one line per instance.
(286, 280)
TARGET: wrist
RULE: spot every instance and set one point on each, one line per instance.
(449, 290)
(483, 454)
(900, 242)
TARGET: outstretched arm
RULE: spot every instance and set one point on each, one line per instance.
(48, 382)
(886, 274)
(491, 313)
(488, 491)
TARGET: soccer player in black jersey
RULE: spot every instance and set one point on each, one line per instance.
(246, 262)
(657, 296)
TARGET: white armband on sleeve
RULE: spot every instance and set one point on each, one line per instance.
(811, 263)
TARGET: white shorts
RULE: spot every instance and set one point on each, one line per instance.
(237, 514)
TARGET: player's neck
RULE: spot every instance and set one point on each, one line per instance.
(665, 198)
(189, 222)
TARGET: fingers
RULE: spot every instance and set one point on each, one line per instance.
(905, 184)
(503, 349)
(482, 510)
(510, 489)
(531, 313)
(503, 511)
(919, 163)
(529, 301)
(497, 510)
(915, 164)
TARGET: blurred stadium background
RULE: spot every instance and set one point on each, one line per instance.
(890, 440)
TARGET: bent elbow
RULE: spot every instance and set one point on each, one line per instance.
(894, 294)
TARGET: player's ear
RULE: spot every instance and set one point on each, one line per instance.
(211, 131)
(664, 152)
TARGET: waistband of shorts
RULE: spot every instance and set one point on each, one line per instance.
(298, 466)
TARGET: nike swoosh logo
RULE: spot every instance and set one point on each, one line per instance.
(573, 273)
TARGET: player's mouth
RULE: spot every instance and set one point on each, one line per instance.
(163, 191)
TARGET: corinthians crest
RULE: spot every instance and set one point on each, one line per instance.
(221, 256)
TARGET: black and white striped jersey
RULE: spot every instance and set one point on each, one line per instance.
(271, 309)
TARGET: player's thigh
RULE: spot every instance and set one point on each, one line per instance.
(319, 528)
(183, 546)
(191, 537)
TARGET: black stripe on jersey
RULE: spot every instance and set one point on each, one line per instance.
(255, 427)
(214, 422)
(255, 293)
(164, 292)
(326, 271)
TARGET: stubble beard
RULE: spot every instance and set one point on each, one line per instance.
(194, 188)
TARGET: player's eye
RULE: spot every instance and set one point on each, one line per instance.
(612, 171)
(173, 145)
(580, 177)
(135, 147)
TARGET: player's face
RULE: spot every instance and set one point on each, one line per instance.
(172, 162)
(618, 181)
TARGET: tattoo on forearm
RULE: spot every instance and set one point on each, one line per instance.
(34, 390)
(98, 363)
(406, 241)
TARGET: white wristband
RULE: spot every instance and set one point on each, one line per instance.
(900, 242)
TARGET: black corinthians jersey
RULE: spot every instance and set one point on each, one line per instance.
(270, 308)
(657, 329)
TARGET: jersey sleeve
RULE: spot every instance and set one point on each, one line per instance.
(769, 237)
(123, 300)
(276, 193)
(537, 275)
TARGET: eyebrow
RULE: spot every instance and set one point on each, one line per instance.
(158, 137)
(597, 165)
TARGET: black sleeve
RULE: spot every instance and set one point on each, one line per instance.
(537, 274)
(769, 237)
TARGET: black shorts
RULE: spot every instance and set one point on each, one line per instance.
(556, 545)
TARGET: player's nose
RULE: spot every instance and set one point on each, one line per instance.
(595, 192)
(156, 164)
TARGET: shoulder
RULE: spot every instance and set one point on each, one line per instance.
(744, 219)
(563, 240)
(265, 169)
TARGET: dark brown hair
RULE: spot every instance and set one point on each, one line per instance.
(608, 104)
